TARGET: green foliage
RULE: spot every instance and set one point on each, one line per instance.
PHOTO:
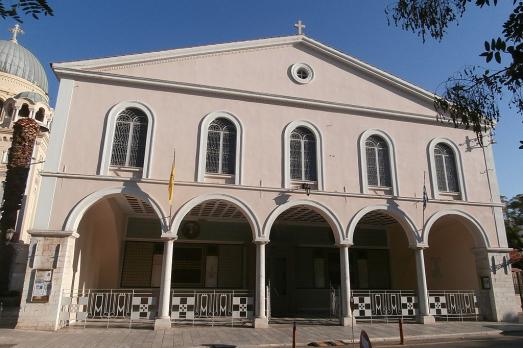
(34, 8)
(470, 98)
(513, 212)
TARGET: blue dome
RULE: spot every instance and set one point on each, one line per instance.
(35, 97)
(18, 61)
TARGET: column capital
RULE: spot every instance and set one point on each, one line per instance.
(419, 246)
(344, 245)
(168, 237)
(261, 242)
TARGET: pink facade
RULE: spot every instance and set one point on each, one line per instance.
(250, 83)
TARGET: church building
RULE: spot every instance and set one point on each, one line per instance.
(298, 193)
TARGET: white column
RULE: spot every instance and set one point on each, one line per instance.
(164, 321)
(261, 320)
(423, 294)
(345, 285)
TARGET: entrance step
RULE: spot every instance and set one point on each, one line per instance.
(305, 321)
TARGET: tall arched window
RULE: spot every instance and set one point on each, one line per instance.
(24, 111)
(130, 136)
(221, 147)
(378, 164)
(303, 155)
(446, 174)
(40, 115)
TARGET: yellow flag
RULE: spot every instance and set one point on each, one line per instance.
(171, 184)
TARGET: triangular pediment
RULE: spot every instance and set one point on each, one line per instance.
(263, 66)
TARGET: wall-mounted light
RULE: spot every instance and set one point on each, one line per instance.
(307, 188)
(9, 235)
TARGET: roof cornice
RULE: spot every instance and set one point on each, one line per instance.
(158, 56)
(79, 74)
(151, 57)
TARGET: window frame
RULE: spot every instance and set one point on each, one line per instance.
(365, 187)
(436, 193)
(130, 137)
(287, 181)
(110, 127)
(222, 133)
(202, 150)
(302, 143)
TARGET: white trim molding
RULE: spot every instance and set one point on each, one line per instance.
(408, 225)
(287, 157)
(132, 60)
(105, 159)
(478, 233)
(202, 150)
(53, 159)
(76, 214)
(324, 211)
(436, 194)
(248, 213)
(363, 160)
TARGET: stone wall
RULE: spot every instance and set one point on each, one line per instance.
(46, 252)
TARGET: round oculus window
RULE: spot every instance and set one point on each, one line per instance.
(301, 73)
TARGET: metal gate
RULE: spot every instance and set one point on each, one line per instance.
(212, 307)
(109, 307)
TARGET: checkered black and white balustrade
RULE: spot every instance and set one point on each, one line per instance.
(384, 304)
(109, 307)
(212, 307)
(129, 307)
(453, 305)
(119, 307)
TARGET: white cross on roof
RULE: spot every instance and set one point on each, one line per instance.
(300, 26)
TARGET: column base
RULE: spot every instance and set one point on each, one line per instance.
(346, 321)
(261, 323)
(36, 326)
(425, 319)
(520, 318)
(162, 324)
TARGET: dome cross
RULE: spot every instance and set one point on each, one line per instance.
(16, 30)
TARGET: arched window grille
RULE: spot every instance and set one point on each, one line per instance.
(378, 164)
(303, 155)
(446, 173)
(221, 147)
(130, 134)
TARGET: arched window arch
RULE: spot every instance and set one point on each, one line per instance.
(446, 169)
(378, 163)
(40, 115)
(303, 155)
(221, 147)
(445, 162)
(24, 111)
(128, 138)
(302, 149)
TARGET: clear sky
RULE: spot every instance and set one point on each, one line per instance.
(94, 28)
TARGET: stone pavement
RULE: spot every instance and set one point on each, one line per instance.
(276, 336)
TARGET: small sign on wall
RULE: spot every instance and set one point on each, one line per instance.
(485, 283)
(42, 285)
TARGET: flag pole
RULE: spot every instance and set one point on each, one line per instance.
(171, 184)
(425, 201)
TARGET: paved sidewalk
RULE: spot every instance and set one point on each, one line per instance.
(276, 336)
